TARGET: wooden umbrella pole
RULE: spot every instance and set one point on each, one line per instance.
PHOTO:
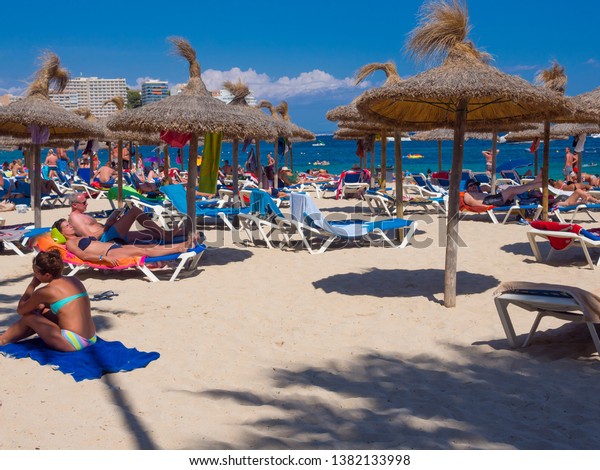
(545, 165)
(382, 182)
(191, 182)
(399, 179)
(167, 164)
(75, 156)
(137, 154)
(453, 206)
(439, 142)
(119, 174)
(494, 158)
(276, 165)
(372, 139)
(36, 185)
(291, 147)
(259, 164)
(235, 162)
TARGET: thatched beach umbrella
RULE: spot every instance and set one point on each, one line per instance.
(37, 118)
(288, 132)
(194, 111)
(350, 113)
(590, 103)
(267, 128)
(299, 134)
(464, 89)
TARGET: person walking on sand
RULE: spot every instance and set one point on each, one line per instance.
(52, 163)
(488, 161)
(570, 163)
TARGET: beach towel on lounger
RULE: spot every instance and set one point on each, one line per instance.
(466, 207)
(561, 243)
(93, 362)
(46, 243)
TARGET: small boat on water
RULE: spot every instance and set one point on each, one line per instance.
(414, 155)
(319, 143)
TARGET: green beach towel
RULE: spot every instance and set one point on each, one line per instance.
(211, 157)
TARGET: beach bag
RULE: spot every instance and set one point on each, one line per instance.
(6, 206)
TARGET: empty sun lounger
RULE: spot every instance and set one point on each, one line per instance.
(561, 237)
(558, 301)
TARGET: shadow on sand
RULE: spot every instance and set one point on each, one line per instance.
(404, 283)
(381, 401)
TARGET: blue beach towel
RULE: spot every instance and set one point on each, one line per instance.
(89, 363)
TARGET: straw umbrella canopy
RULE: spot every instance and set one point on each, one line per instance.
(590, 102)
(194, 111)
(288, 132)
(442, 134)
(463, 89)
(270, 128)
(299, 134)
(38, 118)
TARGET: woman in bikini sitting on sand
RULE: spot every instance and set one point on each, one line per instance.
(91, 249)
(59, 312)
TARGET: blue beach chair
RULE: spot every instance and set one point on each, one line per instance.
(312, 222)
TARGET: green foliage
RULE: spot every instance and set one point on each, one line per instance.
(134, 98)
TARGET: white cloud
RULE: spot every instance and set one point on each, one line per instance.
(593, 62)
(265, 87)
(521, 68)
(13, 90)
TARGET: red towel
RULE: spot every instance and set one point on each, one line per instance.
(555, 242)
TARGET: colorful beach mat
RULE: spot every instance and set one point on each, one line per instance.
(90, 363)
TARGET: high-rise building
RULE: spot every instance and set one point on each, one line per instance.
(68, 100)
(91, 93)
(153, 91)
(226, 97)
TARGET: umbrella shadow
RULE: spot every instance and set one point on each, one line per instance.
(571, 340)
(223, 256)
(404, 283)
(394, 401)
(520, 249)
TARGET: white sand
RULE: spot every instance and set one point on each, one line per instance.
(348, 349)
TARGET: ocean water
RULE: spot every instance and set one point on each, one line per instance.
(341, 155)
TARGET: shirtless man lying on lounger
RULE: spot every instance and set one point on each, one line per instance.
(91, 249)
(474, 198)
(118, 226)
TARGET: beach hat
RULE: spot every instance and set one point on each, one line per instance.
(471, 181)
(285, 168)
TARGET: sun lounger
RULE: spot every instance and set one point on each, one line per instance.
(311, 220)
(561, 237)
(204, 208)
(179, 261)
(558, 301)
(517, 208)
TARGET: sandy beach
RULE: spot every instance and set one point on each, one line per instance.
(350, 349)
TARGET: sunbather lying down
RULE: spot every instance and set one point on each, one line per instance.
(579, 196)
(475, 198)
(91, 249)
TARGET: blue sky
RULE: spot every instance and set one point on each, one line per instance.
(303, 52)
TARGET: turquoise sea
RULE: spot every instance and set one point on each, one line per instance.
(341, 155)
